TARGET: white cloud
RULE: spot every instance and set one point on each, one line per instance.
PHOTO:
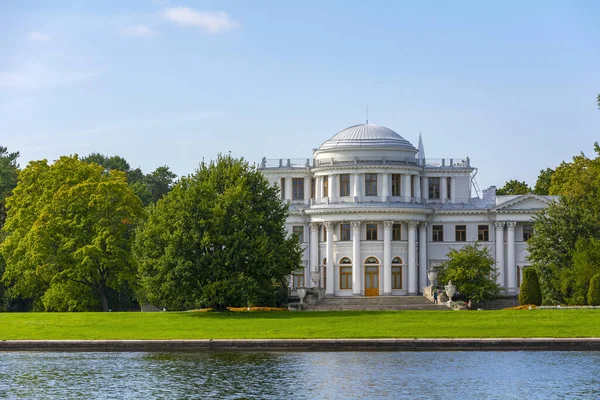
(212, 22)
(38, 36)
(138, 31)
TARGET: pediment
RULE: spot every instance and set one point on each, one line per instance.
(526, 202)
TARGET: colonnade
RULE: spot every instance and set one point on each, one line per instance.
(507, 271)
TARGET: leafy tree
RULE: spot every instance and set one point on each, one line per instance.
(160, 182)
(530, 288)
(593, 296)
(514, 187)
(217, 239)
(69, 232)
(9, 172)
(472, 270)
(543, 183)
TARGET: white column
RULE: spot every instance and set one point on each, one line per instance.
(453, 190)
(500, 252)
(314, 246)
(511, 262)
(406, 195)
(385, 187)
(356, 259)
(443, 189)
(412, 262)
(387, 257)
(422, 255)
(425, 188)
(330, 261)
(307, 180)
(332, 188)
(288, 188)
(356, 186)
(318, 189)
(417, 188)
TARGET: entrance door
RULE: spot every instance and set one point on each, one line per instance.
(371, 280)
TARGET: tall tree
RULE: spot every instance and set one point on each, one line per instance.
(217, 239)
(9, 172)
(69, 232)
(543, 183)
(514, 187)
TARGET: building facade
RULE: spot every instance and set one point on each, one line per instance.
(374, 214)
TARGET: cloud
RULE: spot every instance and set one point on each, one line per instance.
(211, 22)
(138, 31)
(38, 36)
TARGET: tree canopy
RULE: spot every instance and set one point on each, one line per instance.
(217, 239)
(472, 270)
(9, 173)
(543, 183)
(514, 187)
(68, 235)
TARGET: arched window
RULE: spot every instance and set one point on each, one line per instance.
(397, 273)
(324, 273)
(345, 273)
(371, 260)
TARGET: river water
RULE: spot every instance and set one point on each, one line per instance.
(334, 375)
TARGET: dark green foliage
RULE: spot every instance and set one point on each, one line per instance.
(217, 239)
(9, 173)
(513, 187)
(530, 288)
(544, 181)
(593, 296)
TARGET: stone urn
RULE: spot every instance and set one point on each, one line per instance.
(315, 275)
(301, 292)
(432, 275)
(450, 290)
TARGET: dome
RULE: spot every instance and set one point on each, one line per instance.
(367, 135)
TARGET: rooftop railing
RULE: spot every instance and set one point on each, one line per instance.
(291, 163)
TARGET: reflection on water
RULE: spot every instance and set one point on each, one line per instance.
(397, 375)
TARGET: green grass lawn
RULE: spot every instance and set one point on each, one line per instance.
(300, 325)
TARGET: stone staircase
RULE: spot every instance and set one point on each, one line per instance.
(376, 303)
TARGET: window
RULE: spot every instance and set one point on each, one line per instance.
(397, 232)
(434, 188)
(323, 233)
(437, 233)
(397, 273)
(298, 279)
(344, 232)
(396, 184)
(324, 273)
(371, 231)
(461, 233)
(312, 188)
(325, 186)
(282, 187)
(345, 273)
(448, 187)
(483, 233)
(344, 185)
(370, 184)
(412, 185)
(298, 230)
(297, 188)
(527, 232)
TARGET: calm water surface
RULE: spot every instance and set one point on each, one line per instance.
(365, 375)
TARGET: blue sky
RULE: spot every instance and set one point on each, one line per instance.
(511, 84)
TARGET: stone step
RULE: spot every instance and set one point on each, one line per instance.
(375, 303)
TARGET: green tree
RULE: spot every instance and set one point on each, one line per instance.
(472, 270)
(69, 231)
(593, 296)
(530, 288)
(9, 173)
(543, 183)
(217, 239)
(514, 187)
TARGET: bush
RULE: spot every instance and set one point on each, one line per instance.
(530, 288)
(593, 296)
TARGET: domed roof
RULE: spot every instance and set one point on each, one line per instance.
(366, 135)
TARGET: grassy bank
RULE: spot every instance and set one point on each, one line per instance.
(292, 325)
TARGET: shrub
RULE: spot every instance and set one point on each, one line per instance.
(593, 296)
(530, 288)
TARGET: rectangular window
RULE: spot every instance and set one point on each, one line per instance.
(527, 232)
(448, 187)
(344, 232)
(312, 188)
(298, 230)
(437, 233)
(397, 232)
(434, 188)
(298, 279)
(325, 186)
(396, 277)
(344, 185)
(323, 233)
(297, 188)
(412, 185)
(461, 233)
(345, 277)
(396, 184)
(282, 188)
(371, 231)
(370, 184)
(483, 233)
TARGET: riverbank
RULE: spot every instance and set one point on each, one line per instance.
(583, 323)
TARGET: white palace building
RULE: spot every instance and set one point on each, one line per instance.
(375, 215)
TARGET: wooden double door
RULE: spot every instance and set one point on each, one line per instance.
(371, 280)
